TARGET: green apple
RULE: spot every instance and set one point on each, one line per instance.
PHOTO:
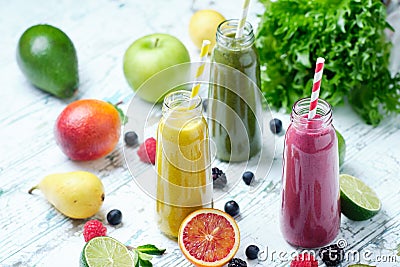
(149, 55)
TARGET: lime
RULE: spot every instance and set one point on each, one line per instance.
(358, 201)
(105, 251)
(342, 148)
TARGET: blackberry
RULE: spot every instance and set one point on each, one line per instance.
(275, 125)
(219, 178)
(252, 252)
(236, 262)
(232, 208)
(331, 255)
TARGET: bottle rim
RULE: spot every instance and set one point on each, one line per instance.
(301, 108)
(229, 27)
(181, 98)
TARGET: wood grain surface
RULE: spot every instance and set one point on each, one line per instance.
(32, 233)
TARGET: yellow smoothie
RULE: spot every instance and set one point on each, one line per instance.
(184, 182)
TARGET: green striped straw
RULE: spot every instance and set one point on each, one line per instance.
(242, 21)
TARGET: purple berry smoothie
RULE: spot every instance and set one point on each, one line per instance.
(310, 212)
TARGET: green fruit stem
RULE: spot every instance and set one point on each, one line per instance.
(156, 42)
(118, 103)
(33, 188)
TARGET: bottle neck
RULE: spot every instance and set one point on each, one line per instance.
(322, 119)
(226, 35)
(179, 104)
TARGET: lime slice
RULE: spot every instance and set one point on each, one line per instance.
(105, 251)
(358, 201)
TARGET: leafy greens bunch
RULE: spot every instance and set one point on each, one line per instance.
(349, 34)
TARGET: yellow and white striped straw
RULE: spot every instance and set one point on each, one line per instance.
(242, 21)
(200, 69)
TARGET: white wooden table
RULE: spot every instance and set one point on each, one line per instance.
(32, 233)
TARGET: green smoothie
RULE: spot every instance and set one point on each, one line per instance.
(235, 99)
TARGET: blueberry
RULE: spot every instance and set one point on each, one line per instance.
(131, 138)
(236, 262)
(205, 104)
(248, 177)
(275, 125)
(252, 252)
(114, 217)
(232, 208)
(332, 255)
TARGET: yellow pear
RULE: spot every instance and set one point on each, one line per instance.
(77, 195)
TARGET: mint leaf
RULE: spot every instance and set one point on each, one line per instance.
(135, 258)
(145, 263)
(142, 255)
(150, 249)
(122, 116)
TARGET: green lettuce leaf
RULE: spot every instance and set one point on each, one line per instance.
(349, 34)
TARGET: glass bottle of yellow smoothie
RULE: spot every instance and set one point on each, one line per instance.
(184, 182)
(234, 95)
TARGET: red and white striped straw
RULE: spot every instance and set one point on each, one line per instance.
(319, 68)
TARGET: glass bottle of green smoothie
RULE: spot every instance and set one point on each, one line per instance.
(234, 95)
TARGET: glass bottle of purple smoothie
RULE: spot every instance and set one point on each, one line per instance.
(310, 211)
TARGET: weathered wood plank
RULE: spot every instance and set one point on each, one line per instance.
(32, 233)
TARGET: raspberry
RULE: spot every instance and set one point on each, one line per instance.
(147, 151)
(304, 260)
(92, 229)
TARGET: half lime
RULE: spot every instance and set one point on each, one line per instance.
(358, 201)
(105, 251)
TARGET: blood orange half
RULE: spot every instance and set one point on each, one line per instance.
(209, 237)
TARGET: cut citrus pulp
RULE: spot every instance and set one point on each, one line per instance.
(209, 237)
(105, 251)
(358, 201)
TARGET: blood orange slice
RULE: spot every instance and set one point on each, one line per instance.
(209, 237)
